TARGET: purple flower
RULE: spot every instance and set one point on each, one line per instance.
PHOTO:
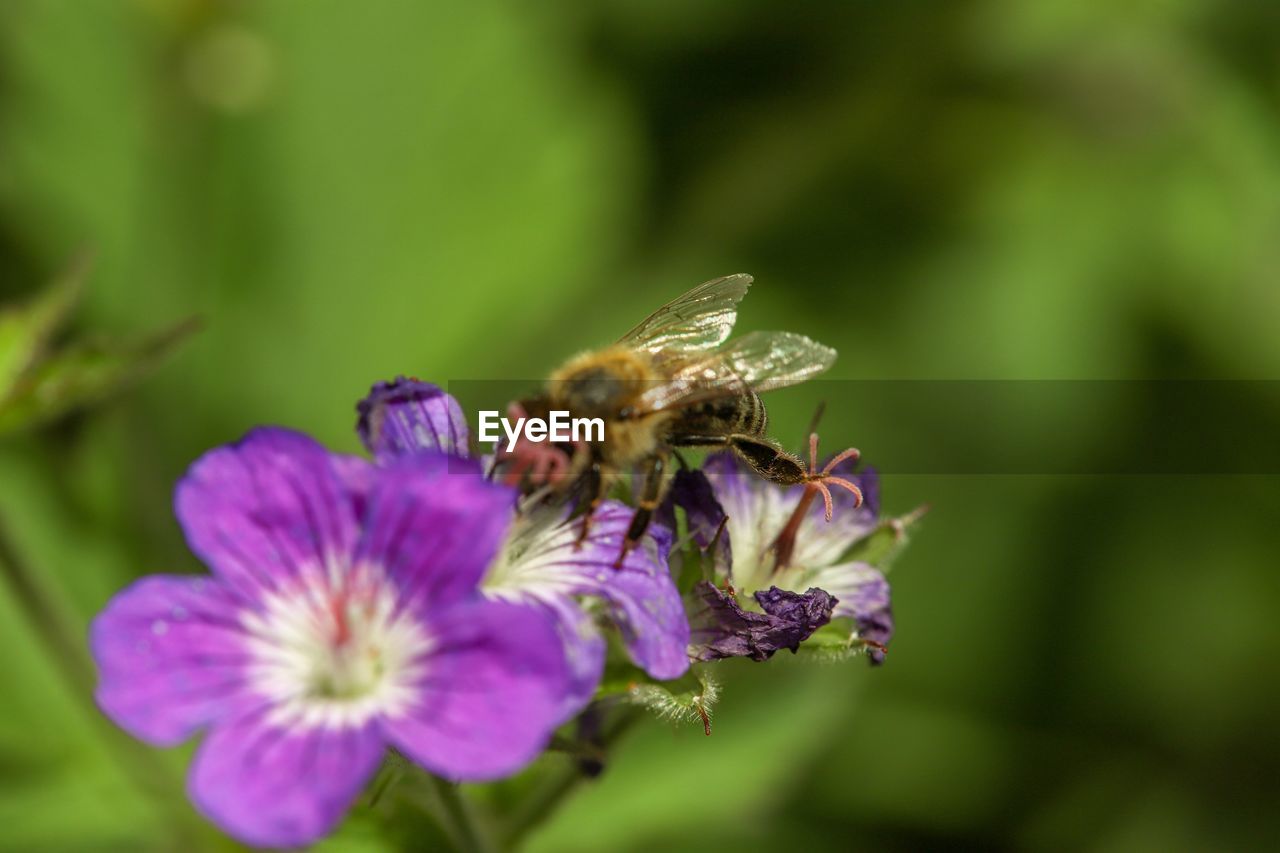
(753, 513)
(543, 566)
(405, 415)
(342, 616)
(723, 629)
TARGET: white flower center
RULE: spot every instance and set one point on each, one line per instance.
(531, 563)
(332, 650)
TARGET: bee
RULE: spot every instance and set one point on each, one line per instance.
(674, 381)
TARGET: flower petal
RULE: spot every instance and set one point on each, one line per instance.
(406, 416)
(723, 629)
(820, 542)
(281, 787)
(266, 509)
(434, 525)
(863, 595)
(693, 492)
(170, 657)
(584, 650)
(492, 693)
(758, 510)
(643, 601)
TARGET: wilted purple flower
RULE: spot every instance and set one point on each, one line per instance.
(342, 616)
(784, 621)
(544, 566)
(792, 598)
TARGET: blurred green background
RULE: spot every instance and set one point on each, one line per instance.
(991, 189)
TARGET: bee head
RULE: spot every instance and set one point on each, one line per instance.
(599, 384)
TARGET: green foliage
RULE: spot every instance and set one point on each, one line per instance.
(38, 386)
(26, 331)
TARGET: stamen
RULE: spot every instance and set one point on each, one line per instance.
(852, 453)
(785, 545)
(815, 483)
(850, 487)
(826, 500)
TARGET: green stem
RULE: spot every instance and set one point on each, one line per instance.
(66, 647)
(49, 621)
(460, 821)
(544, 802)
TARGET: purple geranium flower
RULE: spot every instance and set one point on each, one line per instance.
(342, 616)
(816, 585)
(542, 565)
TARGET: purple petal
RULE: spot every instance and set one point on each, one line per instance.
(584, 650)
(170, 657)
(863, 595)
(868, 480)
(266, 508)
(281, 787)
(759, 510)
(435, 524)
(692, 492)
(643, 601)
(723, 629)
(357, 476)
(406, 416)
(492, 694)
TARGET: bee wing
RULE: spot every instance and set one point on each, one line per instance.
(698, 320)
(758, 361)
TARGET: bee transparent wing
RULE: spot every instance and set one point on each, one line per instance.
(758, 361)
(698, 320)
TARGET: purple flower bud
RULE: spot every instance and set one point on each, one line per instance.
(407, 416)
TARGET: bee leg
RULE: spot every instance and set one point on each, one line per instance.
(598, 485)
(769, 459)
(775, 464)
(656, 480)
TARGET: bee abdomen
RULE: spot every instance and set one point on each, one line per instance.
(757, 415)
(744, 414)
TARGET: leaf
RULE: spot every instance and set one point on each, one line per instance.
(26, 331)
(85, 374)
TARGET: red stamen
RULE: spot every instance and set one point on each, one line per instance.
(816, 483)
(785, 545)
(852, 453)
(850, 487)
(826, 500)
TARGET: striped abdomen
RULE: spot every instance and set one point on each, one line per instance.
(741, 415)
